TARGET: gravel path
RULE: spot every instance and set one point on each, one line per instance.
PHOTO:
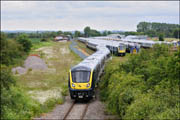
(58, 112)
(95, 110)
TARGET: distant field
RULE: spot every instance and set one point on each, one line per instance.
(35, 40)
(38, 44)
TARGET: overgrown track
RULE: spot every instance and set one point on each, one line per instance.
(74, 112)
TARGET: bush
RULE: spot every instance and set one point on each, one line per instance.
(44, 40)
(145, 86)
(15, 103)
(11, 51)
(161, 37)
(25, 42)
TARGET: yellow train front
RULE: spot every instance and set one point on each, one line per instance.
(122, 50)
(117, 49)
(81, 83)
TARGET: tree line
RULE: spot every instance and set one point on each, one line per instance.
(155, 29)
(143, 28)
(87, 32)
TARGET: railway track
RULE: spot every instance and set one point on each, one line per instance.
(76, 111)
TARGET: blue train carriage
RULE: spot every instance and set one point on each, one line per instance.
(83, 77)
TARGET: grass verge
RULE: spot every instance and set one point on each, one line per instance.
(83, 47)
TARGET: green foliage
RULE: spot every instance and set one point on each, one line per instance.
(6, 79)
(133, 33)
(50, 103)
(77, 34)
(161, 37)
(154, 29)
(10, 51)
(44, 40)
(25, 42)
(64, 91)
(176, 33)
(146, 86)
(87, 31)
(15, 103)
(67, 33)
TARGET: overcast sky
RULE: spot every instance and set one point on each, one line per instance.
(105, 15)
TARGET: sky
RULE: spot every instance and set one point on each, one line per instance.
(75, 15)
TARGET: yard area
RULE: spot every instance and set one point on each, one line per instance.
(52, 83)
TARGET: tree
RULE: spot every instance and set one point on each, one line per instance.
(10, 50)
(104, 33)
(25, 42)
(87, 31)
(109, 32)
(67, 33)
(154, 29)
(77, 33)
(161, 37)
(94, 33)
(59, 32)
(176, 33)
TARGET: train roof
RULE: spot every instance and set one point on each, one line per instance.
(92, 61)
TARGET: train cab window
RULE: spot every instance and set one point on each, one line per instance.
(80, 76)
(122, 47)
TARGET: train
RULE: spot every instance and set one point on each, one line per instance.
(84, 76)
(119, 48)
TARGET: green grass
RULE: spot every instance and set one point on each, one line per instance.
(35, 40)
(54, 80)
(42, 44)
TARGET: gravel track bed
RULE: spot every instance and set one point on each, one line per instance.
(77, 111)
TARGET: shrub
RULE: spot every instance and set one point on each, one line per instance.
(25, 42)
(161, 37)
(44, 40)
(146, 86)
(15, 103)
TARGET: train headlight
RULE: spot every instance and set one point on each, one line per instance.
(73, 85)
(88, 85)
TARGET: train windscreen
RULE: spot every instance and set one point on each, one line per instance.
(122, 47)
(80, 76)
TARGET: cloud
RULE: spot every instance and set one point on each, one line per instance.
(53, 15)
